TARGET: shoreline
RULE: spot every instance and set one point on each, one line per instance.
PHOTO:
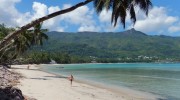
(82, 90)
(135, 94)
(119, 63)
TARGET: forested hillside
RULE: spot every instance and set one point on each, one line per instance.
(131, 44)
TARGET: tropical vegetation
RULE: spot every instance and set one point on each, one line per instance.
(21, 43)
(120, 8)
(87, 47)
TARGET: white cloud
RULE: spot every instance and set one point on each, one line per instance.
(59, 29)
(39, 9)
(174, 29)
(53, 23)
(9, 14)
(88, 28)
(81, 17)
(105, 16)
(105, 21)
(158, 20)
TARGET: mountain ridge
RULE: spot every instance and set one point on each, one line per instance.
(130, 43)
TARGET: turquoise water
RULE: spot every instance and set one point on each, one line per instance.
(161, 79)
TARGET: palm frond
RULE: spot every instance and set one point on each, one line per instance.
(132, 13)
(99, 5)
(144, 5)
(121, 7)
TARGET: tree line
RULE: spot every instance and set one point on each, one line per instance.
(20, 44)
(44, 57)
(16, 41)
(120, 10)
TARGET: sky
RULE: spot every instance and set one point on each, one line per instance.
(163, 18)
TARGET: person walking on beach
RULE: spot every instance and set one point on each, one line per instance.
(28, 66)
(71, 78)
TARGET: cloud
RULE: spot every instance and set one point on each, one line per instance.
(105, 16)
(12, 17)
(89, 28)
(59, 29)
(174, 29)
(9, 14)
(53, 23)
(39, 9)
(105, 21)
(81, 17)
(158, 21)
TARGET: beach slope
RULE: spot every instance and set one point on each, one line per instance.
(45, 86)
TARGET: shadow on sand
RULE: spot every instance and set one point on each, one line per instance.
(40, 78)
(24, 68)
(56, 76)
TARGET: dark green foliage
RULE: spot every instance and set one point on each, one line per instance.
(120, 8)
(38, 57)
(128, 46)
(20, 44)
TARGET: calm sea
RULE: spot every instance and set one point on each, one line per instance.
(161, 79)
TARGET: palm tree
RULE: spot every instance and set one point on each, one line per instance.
(29, 38)
(4, 31)
(119, 10)
(5, 52)
(121, 7)
(22, 42)
(38, 34)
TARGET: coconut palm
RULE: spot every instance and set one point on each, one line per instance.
(121, 7)
(4, 52)
(119, 10)
(14, 48)
(22, 43)
(38, 34)
(29, 38)
(4, 31)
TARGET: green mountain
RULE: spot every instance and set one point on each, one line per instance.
(127, 44)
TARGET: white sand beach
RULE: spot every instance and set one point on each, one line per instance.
(45, 86)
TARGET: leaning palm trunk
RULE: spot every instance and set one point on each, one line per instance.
(9, 37)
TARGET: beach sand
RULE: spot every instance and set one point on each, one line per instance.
(45, 86)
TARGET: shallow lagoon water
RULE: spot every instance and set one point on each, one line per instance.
(161, 79)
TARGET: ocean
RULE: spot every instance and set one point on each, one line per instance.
(161, 79)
